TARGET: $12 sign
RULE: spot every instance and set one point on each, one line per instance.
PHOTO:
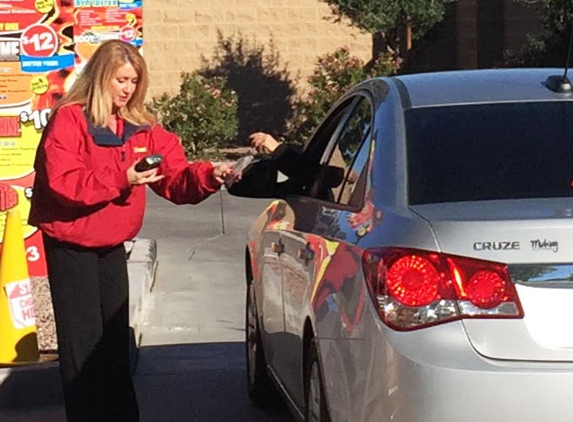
(39, 41)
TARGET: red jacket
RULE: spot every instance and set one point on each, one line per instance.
(81, 192)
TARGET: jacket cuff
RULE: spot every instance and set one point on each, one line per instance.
(280, 151)
(205, 175)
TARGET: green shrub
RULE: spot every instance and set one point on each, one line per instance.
(203, 114)
(334, 74)
(549, 47)
(545, 50)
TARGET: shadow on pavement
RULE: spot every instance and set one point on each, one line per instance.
(197, 383)
(31, 393)
(175, 383)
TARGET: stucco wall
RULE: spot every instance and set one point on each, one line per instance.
(179, 32)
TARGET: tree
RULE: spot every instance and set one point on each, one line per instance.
(393, 23)
(555, 15)
(550, 48)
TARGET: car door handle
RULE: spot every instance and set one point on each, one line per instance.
(278, 247)
(306, 253)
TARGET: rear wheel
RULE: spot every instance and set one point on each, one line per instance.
(316, 408)
(262, 391)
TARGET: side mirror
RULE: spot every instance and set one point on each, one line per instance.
(258, 180)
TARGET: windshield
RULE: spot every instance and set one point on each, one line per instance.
(490, 151)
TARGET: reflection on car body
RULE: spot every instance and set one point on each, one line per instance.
(424, 272)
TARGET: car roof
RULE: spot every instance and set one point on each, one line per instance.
(477, 86)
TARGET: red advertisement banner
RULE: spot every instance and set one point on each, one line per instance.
(44, 44)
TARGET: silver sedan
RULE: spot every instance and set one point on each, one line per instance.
(416, 264)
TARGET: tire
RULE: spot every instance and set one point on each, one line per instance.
(316, 409)
(261, 389)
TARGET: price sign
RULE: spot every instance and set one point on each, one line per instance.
(39, 41)
(38, 117)
(127, 34)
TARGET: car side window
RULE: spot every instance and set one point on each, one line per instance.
(345, 172)
(321, 138)
(352, 192)
(319, 142)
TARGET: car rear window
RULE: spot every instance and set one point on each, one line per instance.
(490, 151)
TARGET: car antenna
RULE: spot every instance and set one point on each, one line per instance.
(561, 84)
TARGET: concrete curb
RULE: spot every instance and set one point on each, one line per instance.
(141, 267)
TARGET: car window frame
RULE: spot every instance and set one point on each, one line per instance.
(322, 136)
(366, 143)
(342, 112)
(354, 100)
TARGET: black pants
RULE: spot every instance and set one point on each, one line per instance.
(90, 293)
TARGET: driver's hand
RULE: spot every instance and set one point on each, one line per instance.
(263, 142)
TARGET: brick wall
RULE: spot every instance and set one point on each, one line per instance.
(179, 32)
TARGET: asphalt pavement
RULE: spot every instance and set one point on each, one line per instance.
(191, 363)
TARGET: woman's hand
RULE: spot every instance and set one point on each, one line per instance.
(222, 172)
(263, 142)
(142, 177)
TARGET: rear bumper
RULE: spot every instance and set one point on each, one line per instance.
(432, 394)
(434, 375)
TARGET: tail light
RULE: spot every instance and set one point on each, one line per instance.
(413, 289)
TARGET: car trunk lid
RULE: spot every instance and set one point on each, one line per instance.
(535, 239)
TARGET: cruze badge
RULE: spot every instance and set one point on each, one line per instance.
(544, 245)
(497, 246)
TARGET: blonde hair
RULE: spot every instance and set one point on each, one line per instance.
(91, 89)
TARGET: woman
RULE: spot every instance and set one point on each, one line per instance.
(88, 199)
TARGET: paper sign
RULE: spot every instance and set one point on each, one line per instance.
(21, 303)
